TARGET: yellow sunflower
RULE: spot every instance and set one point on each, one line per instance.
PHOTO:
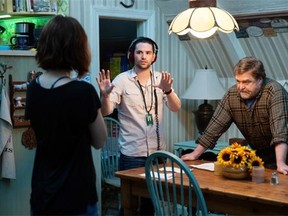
(224, 157)
(255, 161)
(249, 153)
(238, 156)
(238, 159)
(235, 145)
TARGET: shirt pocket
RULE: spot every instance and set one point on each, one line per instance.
(133, 98)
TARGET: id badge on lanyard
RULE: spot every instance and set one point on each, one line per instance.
(149, 119)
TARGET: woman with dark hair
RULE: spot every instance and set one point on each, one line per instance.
(65, 115)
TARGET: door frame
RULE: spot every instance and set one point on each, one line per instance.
(145, 27)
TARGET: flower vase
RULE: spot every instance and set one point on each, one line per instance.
(235, 173)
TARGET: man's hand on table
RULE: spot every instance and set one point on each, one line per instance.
(189, 156)
(195, 154)
(283, 168)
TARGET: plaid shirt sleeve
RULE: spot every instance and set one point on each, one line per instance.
(220, 122)
(278, 114)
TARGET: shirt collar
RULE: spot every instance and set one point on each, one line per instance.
(133, 75)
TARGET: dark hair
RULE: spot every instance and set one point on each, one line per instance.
(63, 45)
(143, 40)
(131, 49)
(250, 64)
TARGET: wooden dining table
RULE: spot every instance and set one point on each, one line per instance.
(222, 195)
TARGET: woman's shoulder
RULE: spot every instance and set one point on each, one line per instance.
(33, 84)
(81, 85)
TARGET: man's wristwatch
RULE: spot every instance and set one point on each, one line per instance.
(168, 92)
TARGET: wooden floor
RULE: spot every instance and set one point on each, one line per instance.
(110, 202)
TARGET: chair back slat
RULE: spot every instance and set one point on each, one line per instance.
(172, 186)
(110, 158)
(110, 152)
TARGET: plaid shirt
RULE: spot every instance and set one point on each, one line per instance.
(263, 125)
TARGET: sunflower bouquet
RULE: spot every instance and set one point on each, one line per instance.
(238, 156)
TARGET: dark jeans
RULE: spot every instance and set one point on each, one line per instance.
(127, 162)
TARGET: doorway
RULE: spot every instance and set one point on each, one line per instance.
(115, 38)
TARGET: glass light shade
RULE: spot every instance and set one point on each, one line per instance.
(203, 22)
(205, 86)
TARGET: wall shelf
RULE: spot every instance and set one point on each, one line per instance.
(18, 120)
(17, 52)
(8, 7)
(14, 14)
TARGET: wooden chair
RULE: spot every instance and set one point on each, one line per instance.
(110, 157)
(170, 196)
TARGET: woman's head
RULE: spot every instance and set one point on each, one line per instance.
(63, 45)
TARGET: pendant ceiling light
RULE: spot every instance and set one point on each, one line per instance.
(202, 20)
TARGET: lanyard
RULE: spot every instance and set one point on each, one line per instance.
(149, 119)
(142, 92)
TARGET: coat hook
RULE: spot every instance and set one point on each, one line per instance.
(126, 5)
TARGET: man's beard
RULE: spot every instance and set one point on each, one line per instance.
(142, 66)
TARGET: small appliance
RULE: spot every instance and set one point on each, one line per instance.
(26, 28)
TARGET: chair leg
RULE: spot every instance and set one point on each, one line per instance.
(110, 205)
(119, 201)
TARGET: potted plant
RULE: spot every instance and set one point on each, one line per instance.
(236, 161)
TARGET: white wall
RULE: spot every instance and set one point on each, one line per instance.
(15, 194)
